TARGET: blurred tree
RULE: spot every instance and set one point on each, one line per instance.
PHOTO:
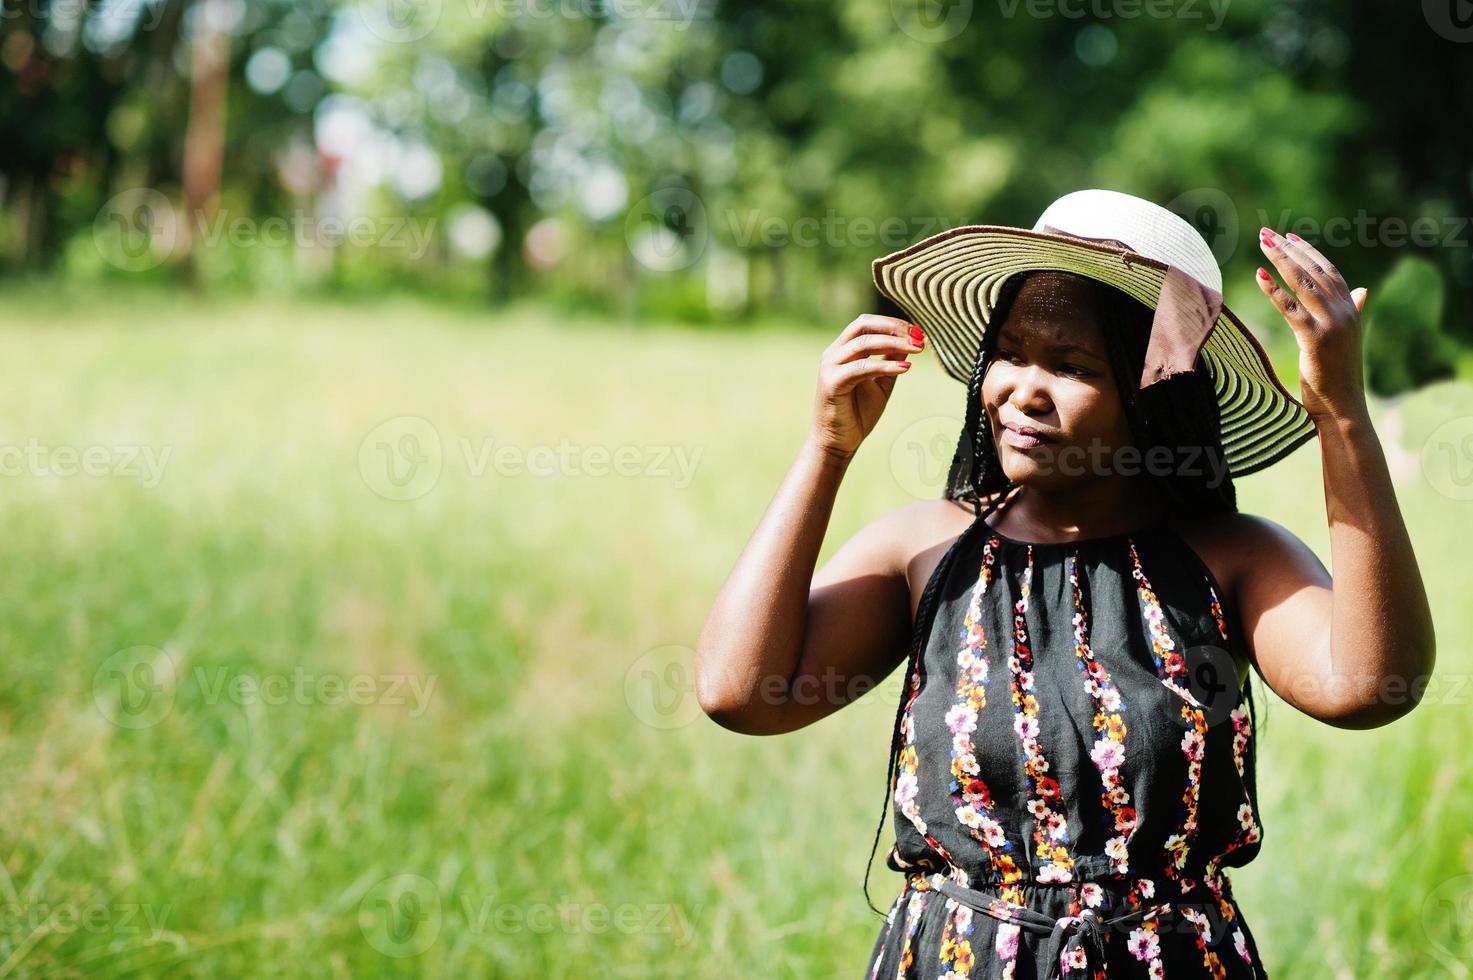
(1404, 347)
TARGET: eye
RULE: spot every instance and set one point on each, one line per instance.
(1004, 354)
(1077, 370)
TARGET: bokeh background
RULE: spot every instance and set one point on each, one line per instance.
(389, 386)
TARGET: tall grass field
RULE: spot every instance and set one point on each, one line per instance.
(354, 640)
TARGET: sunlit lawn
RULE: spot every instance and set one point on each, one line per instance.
(448, 735)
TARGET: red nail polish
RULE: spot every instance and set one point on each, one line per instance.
(1263, 274)
(905, 365)
(1294, 237)
(916, 334)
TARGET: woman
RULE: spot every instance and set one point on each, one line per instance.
(1072, 770)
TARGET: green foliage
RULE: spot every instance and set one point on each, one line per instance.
(1404, 344)
(255, 834)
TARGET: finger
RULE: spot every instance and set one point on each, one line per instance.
(1310, 293)
(1359, 294)
(1318, 264)
(885, 345)
(1299, 319)
(874, 323)
(848, 376)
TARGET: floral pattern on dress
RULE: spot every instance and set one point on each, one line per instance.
(1058, 615)
(1050, 823)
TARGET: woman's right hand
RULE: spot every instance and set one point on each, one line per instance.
(853, 387)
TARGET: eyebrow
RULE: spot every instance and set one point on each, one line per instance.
(1064, 347)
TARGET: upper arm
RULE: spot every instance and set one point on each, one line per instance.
(1282, 594)
(858, 618)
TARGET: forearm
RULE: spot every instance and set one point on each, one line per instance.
(755, 628)
(1382, 639)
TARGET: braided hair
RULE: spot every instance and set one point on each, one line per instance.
(1178, 412)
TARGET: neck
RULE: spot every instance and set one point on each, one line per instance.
(1094, 509)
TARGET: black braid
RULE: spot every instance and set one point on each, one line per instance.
(975, 468)
(920, 634)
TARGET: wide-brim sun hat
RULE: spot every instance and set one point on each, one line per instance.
(949, 284)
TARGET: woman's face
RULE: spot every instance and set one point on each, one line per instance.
(1051, 400)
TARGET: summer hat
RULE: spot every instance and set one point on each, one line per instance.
(950, 282)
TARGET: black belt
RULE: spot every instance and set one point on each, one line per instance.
(1086, 930)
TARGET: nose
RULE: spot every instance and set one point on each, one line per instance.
(1029, 393)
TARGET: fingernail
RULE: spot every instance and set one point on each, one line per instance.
(1268, 236)
(916, 334)
(905, 364)
(1294, 238)
(1263, 274)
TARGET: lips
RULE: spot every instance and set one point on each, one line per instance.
(1028, 432)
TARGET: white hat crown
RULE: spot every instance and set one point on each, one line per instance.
(1144, 226)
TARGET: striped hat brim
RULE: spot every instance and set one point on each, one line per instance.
(949, 284)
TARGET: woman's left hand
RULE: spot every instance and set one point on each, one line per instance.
(1324, 314)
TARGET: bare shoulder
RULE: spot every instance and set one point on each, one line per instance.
(923, 531)
(1232, 544)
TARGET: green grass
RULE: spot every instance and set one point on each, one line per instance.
(233, 837)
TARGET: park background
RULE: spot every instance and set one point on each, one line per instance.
(388, 387)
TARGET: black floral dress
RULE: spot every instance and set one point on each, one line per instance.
(1074, 770)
